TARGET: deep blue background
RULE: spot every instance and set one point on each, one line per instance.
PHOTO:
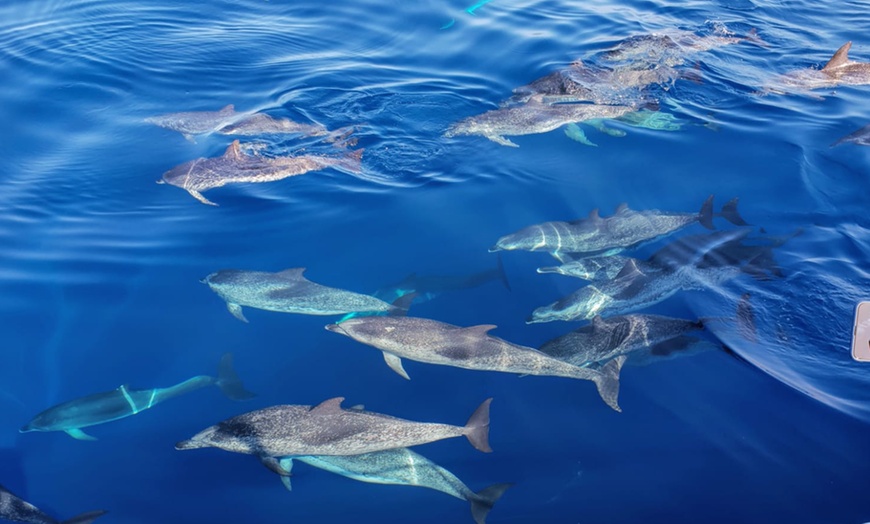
(99, 266)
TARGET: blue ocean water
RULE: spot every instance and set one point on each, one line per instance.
(100, 266)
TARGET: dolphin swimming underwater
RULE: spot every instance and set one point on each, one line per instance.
(838, 71)
(14, 509)
(70, 417)
(535, 116)
(288, 291)
(434, 342)
(401, 467)
(860, 137)
(328, 429)
(607, 338)
(228, 121)
(624, 229)
(234, 167)
(673, 47)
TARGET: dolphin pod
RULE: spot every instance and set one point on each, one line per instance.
(401, 467)
(14, 509)
(71, 416)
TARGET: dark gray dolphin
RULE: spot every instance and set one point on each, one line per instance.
(607, 338)
(860, 137)
(235, 167)
(288, 291)
(123, 402)
(626, 228)
(838, 71)
(535, 116)
(434, 342)
(401, 467)
(14, 509)
(327, 429)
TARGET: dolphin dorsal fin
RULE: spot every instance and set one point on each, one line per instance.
(482, 329)
(294, 273)
(234, 150)
(332, 405)
(229, 108)
(622, 207)
(629, 269)
(840, 57)
(598, 323)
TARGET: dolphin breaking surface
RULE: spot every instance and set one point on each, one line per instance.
(228, 121)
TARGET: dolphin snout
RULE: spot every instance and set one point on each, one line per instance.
(336, 328)
(494, 248)
(187, 444)
(26, 428)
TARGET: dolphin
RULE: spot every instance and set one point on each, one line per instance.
(633, 289)
(191, 123)
(435, 342)
(327, 429)
(234, 167)
(288, 291)
(15, 509)
(624, 229)
(607, 338)
(860, 137)
(838, 71)
(428, 287)
(674, 47)
(401, 467)
(262, 124)
(70, 417)
(535, 116)
(595, 269)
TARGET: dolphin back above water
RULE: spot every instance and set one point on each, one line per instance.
(14, 509)
(288, 291)
(70, 417)
(402, 467)
(234, 167)
(839, 70)
(433, 342)
(328, 429)
(626, 228)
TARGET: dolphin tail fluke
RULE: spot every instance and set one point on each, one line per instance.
(485, 499)
(229, 382)
(85, 518)
(477, 428)
(402, 304)
(730, 213)
(502, 274)
(607, 382)
(705, 217)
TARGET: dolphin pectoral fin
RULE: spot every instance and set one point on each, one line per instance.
(197, 195)
(563, 258)
(286, 464)
(236, 311)
(395, 364)
(79, 434)
(576, 133)
(85, 518)
(608, 382)
(274, 465)
(287, 483)
(501, 140)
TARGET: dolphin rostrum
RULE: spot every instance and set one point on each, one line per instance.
(624, 229)
(288, 291)
(328, 429)
(838, 71)
(536, 116)
(435, 342)
(70, 417)
(15, 509)
(234, 167)
(401, 467)
(860, 137)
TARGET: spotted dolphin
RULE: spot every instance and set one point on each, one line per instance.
(71, 416)
(190, 123)
(235, 167)
(263, 124)
(535, 116)
(860, 137)
(624, 229)
(839, 70)
(328, 429)
(401, 467)
(674, 47)
(14, 509)
(433, 342)
(288, 291)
